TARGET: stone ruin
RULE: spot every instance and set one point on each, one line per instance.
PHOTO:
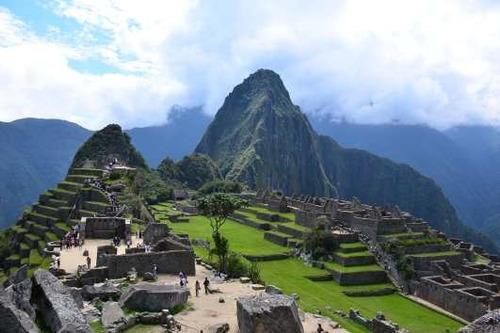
(378, 324)
(105, 227)
(266, 313)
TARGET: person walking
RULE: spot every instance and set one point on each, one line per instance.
(206, 283)
(89, 262)
(155, 270)
(197, 288)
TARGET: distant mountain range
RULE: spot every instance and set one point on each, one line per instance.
(464, 161)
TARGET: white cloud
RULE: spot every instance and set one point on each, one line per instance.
(365, 61)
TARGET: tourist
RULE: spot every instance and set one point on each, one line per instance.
(140, 233)
(197, 288)
(320, 329)
(89, 262)
(155, 270)
(58, 263)
(206, 283)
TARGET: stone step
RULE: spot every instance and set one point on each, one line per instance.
(60, 229)
(32, 240)
(46, 210)
(54, 203)
(78, 178)
(42, 219)
(39, 230)
(70, 186)
(87, 172)
(51, 237)
(65, 195)
(24, 250)
(95, 206)
(45, 197)
(88, 213)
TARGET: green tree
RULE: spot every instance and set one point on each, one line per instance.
(217, 208)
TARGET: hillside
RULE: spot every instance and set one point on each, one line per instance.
(35, 155)
(455, 169)
(106, 145)
(259, 137)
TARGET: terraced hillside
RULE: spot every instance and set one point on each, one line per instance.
(49, 219)
(260, 234)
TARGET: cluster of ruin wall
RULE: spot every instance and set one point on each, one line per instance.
(453, 299)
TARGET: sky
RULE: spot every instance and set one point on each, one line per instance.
(96, 62)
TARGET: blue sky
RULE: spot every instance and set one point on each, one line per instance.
(100, 61)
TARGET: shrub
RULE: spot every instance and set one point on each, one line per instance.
(320, 242)
(254, 273)
(220, 186)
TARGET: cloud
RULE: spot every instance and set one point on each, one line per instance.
(364, 61)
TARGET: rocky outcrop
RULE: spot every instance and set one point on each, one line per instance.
(56, 304)
(488, 323)
(219, 328)
(103, 291)
(20, 295)
(155, 232)
(112, 314)
(266, 313)
(153, 298)
(13, 320)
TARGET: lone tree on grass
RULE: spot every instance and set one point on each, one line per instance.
(217, 208)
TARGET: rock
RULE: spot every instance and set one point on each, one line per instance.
(85, 253)
(103, 291)
(77, 296)
(295, 296)
(112, 314)
(244, 279)
(14, 320)
(56, 304)
(155, 232)
(20, 275)
(91, 313)
(219, 328)
(257, 287)
(132, 275)
(153, 298)
(268, 313)
(214, 289)
(221, 300)
(273, 290)
(148, 276)
(20, 295)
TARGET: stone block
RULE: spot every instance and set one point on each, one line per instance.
(14, 320)
(153, 298)
(268, 313)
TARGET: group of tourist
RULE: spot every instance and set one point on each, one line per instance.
(72, 238)
(116, 241)
(183, 279)
(147, 247)
(197, 286)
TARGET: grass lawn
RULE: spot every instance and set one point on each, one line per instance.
(356, 245)
(434, 254)
(289, 275)
(352, 269)
(242, 239)
(354, 254)
(290, 216)
(403, 235)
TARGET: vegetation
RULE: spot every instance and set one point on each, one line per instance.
(196, 170)
(220, 186)
(320, 242)
(151, 187)
(110, 141)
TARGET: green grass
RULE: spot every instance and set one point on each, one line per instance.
(403, 235)
(63, 226)
(35, 258)
(24, 246)
(356, 245)
(242, 239)
(295, 226)
(289, 276)
(280, 234)
(32, 237)
(354, 254)
(97, 327)
(13, 257)
(290, 216)
(435, 254)
(52, 237)
(353, 269)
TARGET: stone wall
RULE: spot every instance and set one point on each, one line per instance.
(105, 227)
(249, 223)
(425, 263)
(359, 278)
(367, 226)
(276, 238)
(354, 260)
(171, 262)
(291, 231)
(102, 253)
(427, 248)
(155, 232)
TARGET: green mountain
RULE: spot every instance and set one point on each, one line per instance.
(260, 138)
(34, 155)
(106, 145)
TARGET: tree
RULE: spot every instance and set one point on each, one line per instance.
(218, 207)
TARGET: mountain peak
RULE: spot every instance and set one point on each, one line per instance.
(106, 145)
(263, 81)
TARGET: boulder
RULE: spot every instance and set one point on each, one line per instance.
(14, 320)
(112, 314)
(268, 313)
(273, 290)
(153, 298)
(103, 291)
(155, 232)
(56, 304)
(219, 328)
(20, 275)
(20, 295)
(148, 276)
(257, 287)
(77, 296)
(244, 279)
